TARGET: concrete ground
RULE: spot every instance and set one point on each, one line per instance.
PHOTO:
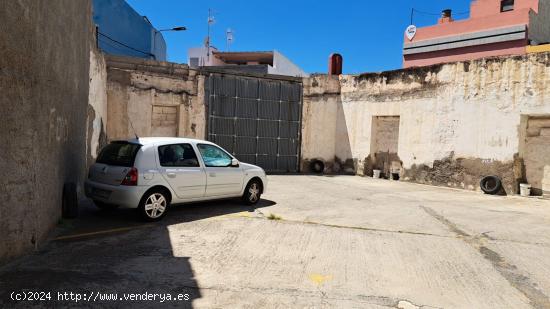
(313, 242)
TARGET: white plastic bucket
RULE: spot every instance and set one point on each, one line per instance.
(376, 174)
(524, 189)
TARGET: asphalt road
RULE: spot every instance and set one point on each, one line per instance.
(313, 242)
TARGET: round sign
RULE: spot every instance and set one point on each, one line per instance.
(410, 32)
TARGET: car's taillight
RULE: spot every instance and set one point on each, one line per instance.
(131, 178)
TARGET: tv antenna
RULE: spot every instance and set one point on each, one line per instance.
(211, 21)
(229, 38)
(132, 126)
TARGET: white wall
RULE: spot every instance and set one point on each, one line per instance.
(283, 66)
(470, 109)
(202, 54)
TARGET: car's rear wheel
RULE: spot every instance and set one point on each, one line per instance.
(253, 192)
(153, 205)
(105, 206)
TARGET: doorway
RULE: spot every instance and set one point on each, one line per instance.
(384, 146)
(536, 154)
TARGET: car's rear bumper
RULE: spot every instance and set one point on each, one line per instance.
(123, 196)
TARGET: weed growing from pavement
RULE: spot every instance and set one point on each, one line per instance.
(274, 217)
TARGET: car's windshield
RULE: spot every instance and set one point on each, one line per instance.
(119, 154)
(214, 156)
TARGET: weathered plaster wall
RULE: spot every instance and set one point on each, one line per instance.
(44, 78)
(156, 98)
(458, 121)
(97, 105)
(321, 102)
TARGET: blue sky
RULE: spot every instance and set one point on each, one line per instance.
(368, 33)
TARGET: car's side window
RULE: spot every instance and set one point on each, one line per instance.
(214, 156)
(178, 155)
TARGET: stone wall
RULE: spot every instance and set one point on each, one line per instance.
(151, 98)
(458, 121)
(44, 78)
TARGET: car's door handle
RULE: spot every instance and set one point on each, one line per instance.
(171, 175)
(212, 174)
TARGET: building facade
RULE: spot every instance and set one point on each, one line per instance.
(495, 28)
(263, 62)
(122, 31)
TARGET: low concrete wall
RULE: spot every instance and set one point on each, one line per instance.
(44, 78)
(151, 98)
(458, 121)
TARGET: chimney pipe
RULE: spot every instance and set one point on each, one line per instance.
(335, 64)
(446, 16)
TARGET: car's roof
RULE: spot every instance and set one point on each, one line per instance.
(164, 140)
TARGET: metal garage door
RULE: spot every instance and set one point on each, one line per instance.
(256, 119)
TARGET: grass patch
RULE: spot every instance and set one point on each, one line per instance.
(274, 217)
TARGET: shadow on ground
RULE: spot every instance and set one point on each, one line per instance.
(94, 221)
(103, 253)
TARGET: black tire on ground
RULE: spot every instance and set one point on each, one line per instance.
(69, 206)
(105, 206)
(162, 199)
(317, 166)
(253, 192)
(490, 184)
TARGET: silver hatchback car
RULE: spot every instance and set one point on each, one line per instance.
(151, 173)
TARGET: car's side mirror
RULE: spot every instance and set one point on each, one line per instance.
(234, 163)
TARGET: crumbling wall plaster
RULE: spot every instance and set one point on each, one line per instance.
(151, 98)
(321, 102)
(464, 110)
(97, 105)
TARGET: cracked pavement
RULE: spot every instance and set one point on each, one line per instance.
(331, 242)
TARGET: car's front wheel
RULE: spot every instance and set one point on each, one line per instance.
(253, 192)
(153, 205)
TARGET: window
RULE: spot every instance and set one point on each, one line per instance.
(119, 154)
(214, 156)
(180, 155)
(506, 5)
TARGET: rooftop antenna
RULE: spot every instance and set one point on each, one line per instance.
(229, 38)
(132, 126)
(211, 21)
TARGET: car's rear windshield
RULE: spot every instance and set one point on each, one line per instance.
(119, 154)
